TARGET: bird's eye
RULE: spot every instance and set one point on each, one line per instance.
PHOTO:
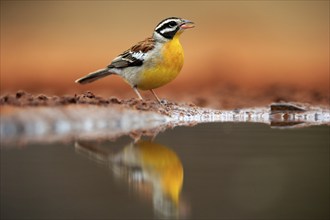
(172, 24)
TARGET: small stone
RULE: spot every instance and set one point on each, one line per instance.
(89, 94)
(42, 97)
(20, 93)
(285, 107)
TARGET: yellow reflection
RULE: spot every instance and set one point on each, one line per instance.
(152, 169)
(163, 164)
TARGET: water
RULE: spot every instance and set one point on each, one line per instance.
(209, 171)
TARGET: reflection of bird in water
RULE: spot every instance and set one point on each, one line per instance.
(148, 167)
(158, 165)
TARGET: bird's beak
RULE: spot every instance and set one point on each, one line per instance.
(187, 24)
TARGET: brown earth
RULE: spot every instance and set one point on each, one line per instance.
(230, 98)
(24, 99)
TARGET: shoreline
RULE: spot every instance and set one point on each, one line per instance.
(26, 118)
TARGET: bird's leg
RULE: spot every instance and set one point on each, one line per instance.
(137, 92)
(153, 92)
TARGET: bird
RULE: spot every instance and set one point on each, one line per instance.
(150, 63)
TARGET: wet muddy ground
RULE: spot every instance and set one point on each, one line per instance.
(24, 99)
(27, 117)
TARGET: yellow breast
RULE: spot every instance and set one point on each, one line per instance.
(166, 68)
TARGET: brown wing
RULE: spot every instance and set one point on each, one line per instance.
(144, 46)
(133, 56)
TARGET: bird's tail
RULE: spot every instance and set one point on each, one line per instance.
(93, 76)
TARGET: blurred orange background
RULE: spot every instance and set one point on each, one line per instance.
(272, 49)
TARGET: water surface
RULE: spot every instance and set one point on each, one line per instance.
(209, 171)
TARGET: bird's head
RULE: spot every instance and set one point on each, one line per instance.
(168, 28)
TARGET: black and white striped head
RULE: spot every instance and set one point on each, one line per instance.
(169, 27)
